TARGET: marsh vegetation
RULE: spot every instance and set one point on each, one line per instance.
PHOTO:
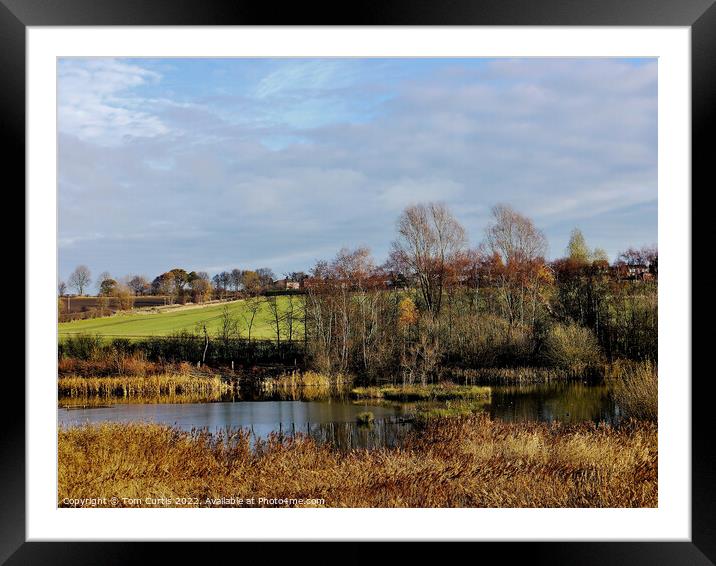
(456, 462)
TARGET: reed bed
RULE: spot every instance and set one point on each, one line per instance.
(142, 386)
(635, 386)
(303, 386)
(304, 379)
(521, 375)
(457, 462)
(438, 392)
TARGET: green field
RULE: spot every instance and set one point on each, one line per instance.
(136, 325)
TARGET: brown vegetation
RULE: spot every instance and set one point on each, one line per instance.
(142, 386)
(635, 387)
(114, 363)
(459, 462)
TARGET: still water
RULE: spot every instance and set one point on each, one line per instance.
(334, 419)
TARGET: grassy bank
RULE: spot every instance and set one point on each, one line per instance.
(461, 462)
(440, 392)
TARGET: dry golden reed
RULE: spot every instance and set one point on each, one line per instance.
(636, 388)
(141, 386)
(457, 462)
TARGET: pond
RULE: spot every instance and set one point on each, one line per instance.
(334, 420)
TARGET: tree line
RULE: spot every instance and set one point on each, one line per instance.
(176, 285)
(439, 302)
(498, 304)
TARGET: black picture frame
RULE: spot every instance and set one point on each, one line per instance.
(699, 15)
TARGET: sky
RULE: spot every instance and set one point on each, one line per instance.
(212, 164)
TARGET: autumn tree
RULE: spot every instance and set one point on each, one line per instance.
(164, 285)
(200, 287)
(251, 282)
(181, 280)
(124, 296)
(138, 284)
(107, 287)
(599, 255)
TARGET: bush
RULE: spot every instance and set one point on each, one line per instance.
(487, 340)
(570, 347)
(81, 346)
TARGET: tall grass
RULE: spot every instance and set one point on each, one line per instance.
(457, 462)
(303, 386)
(635, 386)
(140, 386)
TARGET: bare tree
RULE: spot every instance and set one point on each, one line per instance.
(228, 327)
(515, 237)
(235, 278)
(518, 248)
(61, 288)
(253, 306)
(266, 277)
(291, 315)
(429, 239)
(277, 316)
(80, 279)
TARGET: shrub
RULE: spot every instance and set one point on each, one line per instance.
(570, 347)
(81, 346)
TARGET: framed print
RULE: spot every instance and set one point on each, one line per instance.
(292, 278)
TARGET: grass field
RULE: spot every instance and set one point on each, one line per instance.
(135, 325)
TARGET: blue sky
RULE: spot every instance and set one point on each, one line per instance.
(210, 164)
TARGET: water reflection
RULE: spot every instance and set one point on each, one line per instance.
(564, 402)
(333, 419)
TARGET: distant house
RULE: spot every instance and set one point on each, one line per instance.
(286, 284)
(637, 272)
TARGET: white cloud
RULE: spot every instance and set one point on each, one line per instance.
(95, 102)
(566, 142)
